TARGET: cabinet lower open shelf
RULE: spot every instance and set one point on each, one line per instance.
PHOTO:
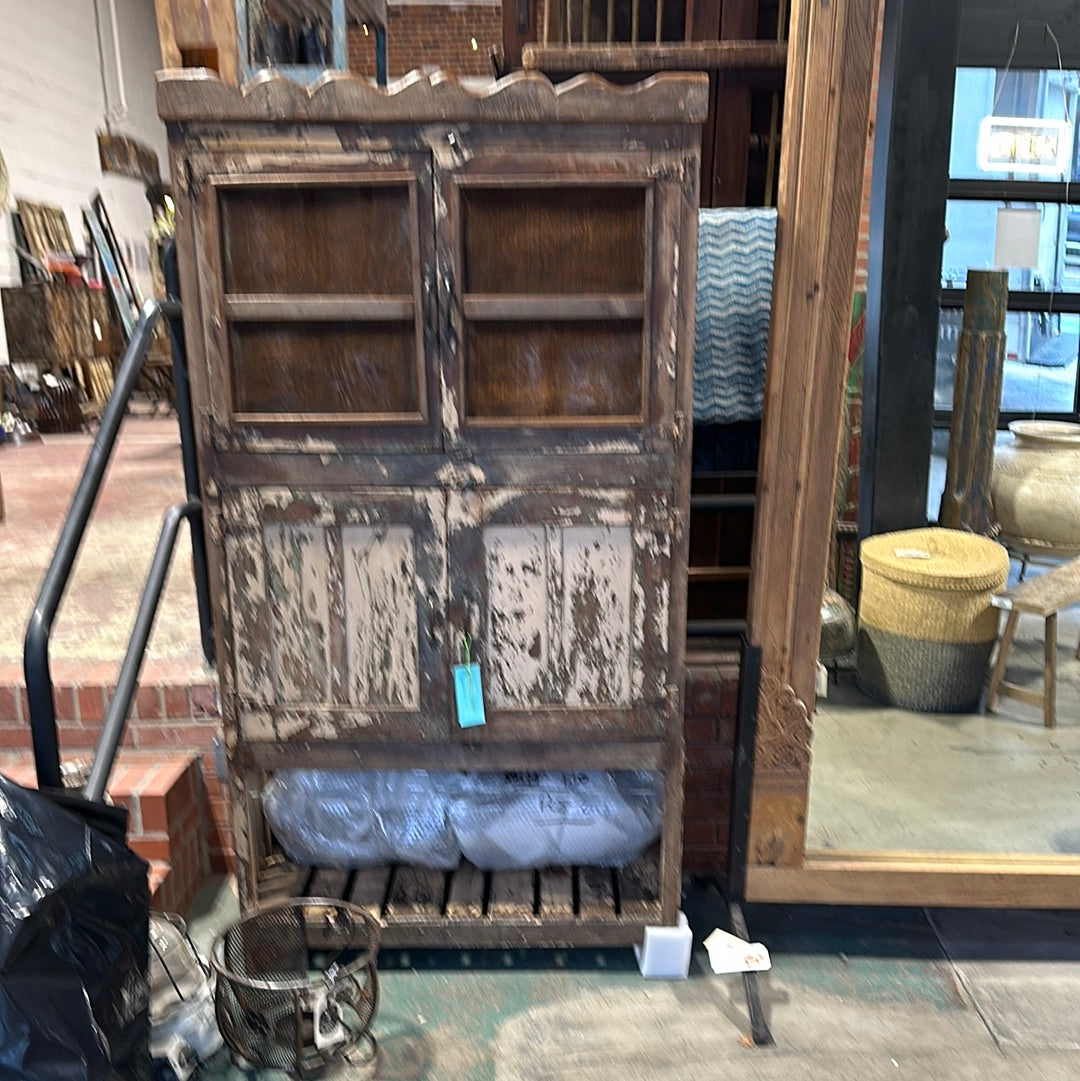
(467, 907)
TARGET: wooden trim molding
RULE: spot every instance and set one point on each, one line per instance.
(970, 880)
(826, 114)
(524, 97)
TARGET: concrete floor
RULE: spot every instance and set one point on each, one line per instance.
(866, 994)
(887, 779)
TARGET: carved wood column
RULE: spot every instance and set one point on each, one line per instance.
(826, 107)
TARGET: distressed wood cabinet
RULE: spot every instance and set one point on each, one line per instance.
(441, 344)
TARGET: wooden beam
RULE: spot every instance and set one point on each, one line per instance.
(826, 113)
(731, 114)
(978, 880)
(677, 56)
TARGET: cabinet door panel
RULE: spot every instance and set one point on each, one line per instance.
(517, 573)
(562, 594)
(380, 615)
(540, 370)
(597, 614)
(298, 585)
(301, 369)
(566, 240)
(336, 603)
(557, 331)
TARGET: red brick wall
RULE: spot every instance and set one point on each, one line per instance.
(164, 718)
(432, 35)
(711, 694)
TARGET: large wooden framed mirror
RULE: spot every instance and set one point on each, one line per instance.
(826, 112)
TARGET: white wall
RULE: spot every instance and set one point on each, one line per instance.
(52, 106)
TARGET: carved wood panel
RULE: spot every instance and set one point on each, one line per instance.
(826, 107)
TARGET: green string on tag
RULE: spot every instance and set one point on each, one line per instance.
(466, 645)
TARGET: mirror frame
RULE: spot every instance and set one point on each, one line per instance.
(826, 112)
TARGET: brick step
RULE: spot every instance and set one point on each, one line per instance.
(167, 817)
(82, 703)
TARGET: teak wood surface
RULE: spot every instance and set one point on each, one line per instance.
(826, 108)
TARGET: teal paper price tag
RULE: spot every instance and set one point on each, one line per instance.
(469, 695)
(468, 690)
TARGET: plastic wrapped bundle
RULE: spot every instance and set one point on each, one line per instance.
(506, 821)
(353, 818)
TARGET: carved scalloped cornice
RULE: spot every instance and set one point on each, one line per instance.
(196, 94)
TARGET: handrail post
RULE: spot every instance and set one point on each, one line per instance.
(112, 730)
(39, 687)
(186, 418)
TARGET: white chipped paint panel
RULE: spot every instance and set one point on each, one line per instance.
(381, 625)
(297, 579)
(517, 648)
(250, 617)
(596, 614)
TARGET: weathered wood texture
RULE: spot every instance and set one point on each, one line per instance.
(523, 97)
(1043, 596)
(826, 108)
(443, 372)
(980, 356)
(198, 32)
(48, 324)
(672, 56)
(980, 880)
(553, 906)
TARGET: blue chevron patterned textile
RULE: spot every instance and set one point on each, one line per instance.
(734, 294)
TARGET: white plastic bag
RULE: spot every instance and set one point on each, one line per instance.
(506, 821)
(355, 818)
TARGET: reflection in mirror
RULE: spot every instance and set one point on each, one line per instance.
(943, 775)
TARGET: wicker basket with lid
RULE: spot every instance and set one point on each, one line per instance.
(926, 625)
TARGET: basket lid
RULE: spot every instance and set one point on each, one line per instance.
(937, 559)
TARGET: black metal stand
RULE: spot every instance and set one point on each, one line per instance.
(733, 886)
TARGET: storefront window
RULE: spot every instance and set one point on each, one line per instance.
(1042, 326)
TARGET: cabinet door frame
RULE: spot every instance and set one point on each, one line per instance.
(659, 426)
(265, 709)
(653, 687)
(312, 432)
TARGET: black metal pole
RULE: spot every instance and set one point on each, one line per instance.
(112, 730)
(743, 769)
(186, 418)
(39, 687)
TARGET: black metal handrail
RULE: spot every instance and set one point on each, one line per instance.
(39, 685)
(112, 728)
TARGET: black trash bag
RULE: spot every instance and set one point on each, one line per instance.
(74, 941)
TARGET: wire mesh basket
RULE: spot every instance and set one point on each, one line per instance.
(296, 984)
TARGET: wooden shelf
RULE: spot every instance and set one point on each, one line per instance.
(554, 906)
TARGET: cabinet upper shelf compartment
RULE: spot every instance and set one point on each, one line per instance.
(554, 280)
(320, 293)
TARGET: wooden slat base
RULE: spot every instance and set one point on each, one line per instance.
(560, 906)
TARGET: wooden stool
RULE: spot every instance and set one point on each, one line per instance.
(1044, 596)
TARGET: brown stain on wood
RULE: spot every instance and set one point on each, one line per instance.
(381, 616)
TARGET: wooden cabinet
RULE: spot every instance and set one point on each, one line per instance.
(441, 347)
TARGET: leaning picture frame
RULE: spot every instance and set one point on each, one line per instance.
(114, 279)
